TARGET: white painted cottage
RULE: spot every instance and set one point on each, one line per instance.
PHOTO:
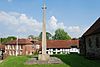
(61, 46)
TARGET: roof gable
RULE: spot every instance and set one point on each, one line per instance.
(95, 28)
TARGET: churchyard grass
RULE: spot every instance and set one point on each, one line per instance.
(71, 60)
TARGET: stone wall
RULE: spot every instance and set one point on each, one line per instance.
(82, 46)
(93, 46)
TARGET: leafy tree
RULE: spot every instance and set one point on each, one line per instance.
(11, 38)
(48, 36)
(60, 34)
(33, 37)
(4, 40)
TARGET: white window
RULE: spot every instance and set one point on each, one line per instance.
(9, 52)
(56, 51)
(0, 53)
(13, 47)
(37, 46)
(26, 52)
(13, 53)
(8, 46)
(5, 47)
(20, 52)
(20, 47)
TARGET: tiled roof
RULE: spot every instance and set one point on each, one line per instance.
(20, 41)
(50, 43)
(95, 28)
(61, 43)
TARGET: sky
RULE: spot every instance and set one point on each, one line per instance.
(24, 17)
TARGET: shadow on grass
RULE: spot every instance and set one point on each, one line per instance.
(75, 60)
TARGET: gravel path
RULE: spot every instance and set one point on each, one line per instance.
(52, 60)
(1, 61)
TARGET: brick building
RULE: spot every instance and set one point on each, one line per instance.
(27, 46)
(19, 47)
(2, 48)
(62, 46)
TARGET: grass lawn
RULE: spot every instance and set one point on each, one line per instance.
(74, 60)
(71, 60)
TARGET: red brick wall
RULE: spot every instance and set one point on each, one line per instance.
(27, 49)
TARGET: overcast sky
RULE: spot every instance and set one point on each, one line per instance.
(24, 17)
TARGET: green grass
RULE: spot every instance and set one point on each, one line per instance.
(19, 61)
(72, 60)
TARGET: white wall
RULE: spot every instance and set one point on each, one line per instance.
(62, 51)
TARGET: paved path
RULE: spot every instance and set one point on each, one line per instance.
(1, 61)
(52, 60)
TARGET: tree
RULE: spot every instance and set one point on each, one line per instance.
(4, 40)
(11, 38)
(48, 36)
(60, 34)
(33, 37)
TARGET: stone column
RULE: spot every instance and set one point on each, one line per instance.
(44, 56)
(44, 30)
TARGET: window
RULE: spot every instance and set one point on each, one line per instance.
(13, 47)
(13, 52)
(90, 42)
(9, 52)
(9, 46)
(0, 53)
(20, 52)
(97, 42)
(6, 47)
(21, 46)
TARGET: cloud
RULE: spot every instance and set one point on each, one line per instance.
(14, 23)
(18, 23)
(53, 23)
(23, 17)
(74, 29)
(21, 29)
(7, 18)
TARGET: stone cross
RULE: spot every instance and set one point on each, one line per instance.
(44, 30)
(44, 56)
